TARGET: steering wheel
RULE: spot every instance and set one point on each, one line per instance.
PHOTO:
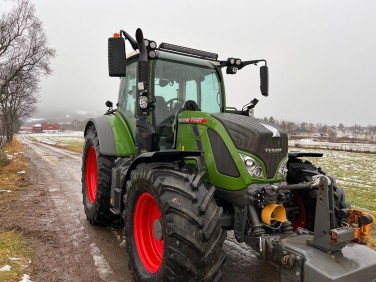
(171, 105)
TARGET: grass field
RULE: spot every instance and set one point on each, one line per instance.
(71, 140)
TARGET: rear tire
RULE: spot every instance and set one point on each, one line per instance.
(172, 225)
(96, 180)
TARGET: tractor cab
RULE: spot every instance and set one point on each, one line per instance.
(178, 83)
(176, 79)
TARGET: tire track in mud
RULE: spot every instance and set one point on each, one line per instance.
(95, 248)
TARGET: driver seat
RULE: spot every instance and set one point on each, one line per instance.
(191, 105)
(161, 111)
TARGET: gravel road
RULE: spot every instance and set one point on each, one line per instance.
(68, 248)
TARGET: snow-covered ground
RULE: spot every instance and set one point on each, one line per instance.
(66, 137)
(350, 147)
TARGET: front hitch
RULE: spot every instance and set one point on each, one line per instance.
(330, 254)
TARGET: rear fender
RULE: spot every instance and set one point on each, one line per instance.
(167, 156)
(115, 138)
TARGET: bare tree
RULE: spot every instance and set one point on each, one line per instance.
(19, 102)
(272, 120)
(24, 59)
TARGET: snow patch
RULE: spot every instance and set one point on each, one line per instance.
(8, 191)
(116, 234)
(6, 268)
(26, 278)
(352, 147)
(100, 262)
(21, 172)
(123, 244)
(305, 141)
(14, 259)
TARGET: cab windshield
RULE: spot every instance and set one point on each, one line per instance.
(175, 83)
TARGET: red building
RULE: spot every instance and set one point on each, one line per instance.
(50, 126)
(37, 128)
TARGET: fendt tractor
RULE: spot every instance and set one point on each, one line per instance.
(180, 169)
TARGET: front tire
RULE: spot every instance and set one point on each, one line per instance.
(172, 225)
(306, 201)
(96, 180)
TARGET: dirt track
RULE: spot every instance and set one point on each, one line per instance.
(68, 248)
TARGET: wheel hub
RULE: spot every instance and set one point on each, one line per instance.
(157, 228)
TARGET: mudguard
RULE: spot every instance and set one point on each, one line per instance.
(115, 138)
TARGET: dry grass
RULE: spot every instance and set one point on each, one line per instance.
(10, 176)
(72, 146)
(14, 250)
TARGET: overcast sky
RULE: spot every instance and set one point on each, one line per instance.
(321, 54)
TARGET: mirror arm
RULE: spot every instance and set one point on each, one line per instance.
(253, 62)
(243, 64)
(130, 39)
(223, 64)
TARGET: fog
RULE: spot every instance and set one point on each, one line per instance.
(321, 54)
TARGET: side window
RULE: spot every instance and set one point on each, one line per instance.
(127, 92)
(211, 95)
(191, 91)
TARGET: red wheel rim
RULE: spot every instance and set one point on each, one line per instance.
(148, 232)
(91, 175)
(301, 221)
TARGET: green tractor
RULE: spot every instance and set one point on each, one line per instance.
(179, 169)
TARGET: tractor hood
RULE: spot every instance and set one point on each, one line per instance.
(256, 137)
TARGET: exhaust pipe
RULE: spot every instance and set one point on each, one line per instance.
(143, 66)
(147, 139)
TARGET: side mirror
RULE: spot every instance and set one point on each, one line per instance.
(163, 82)
(116, 57)
(109, 104)
(264, 80)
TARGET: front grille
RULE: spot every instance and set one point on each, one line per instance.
(250, 135)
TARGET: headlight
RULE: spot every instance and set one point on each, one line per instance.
(254, 167)
(153, 45)
(282, 170)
